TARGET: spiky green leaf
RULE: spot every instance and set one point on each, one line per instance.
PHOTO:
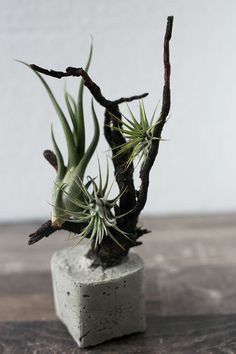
(61, 170)
(80, 112)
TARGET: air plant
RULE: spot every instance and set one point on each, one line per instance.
(95, 209)
(78, 157)
(138, 134)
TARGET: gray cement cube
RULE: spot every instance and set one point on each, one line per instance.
(95, 304)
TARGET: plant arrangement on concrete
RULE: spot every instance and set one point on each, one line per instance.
(81, 205)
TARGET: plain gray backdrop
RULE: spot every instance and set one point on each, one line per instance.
(196, 168)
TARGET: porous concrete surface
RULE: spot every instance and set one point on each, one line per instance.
(96, 304)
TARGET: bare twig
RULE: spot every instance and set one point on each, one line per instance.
(78, 72)
(53, 73)
(91, 85)
(46, 229)
(51, 158)
(145, 170)
(129, 99)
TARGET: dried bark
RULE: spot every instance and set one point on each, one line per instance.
(46, 229)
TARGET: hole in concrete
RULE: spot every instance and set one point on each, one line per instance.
(68, 293)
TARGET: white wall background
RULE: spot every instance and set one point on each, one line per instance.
(196, 168)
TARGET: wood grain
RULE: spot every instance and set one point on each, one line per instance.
(164, 335)
(190, 280)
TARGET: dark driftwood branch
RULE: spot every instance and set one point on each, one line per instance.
(123, 175)
(46, 229)
(78, 72)
(129, 99)
(146, 167)
(89, 83)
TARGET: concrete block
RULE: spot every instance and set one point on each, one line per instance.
(95, 304)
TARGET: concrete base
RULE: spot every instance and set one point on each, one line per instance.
(95, 304)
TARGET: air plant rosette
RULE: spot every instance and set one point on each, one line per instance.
(81, 204)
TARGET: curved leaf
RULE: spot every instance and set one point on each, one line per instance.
(61, 170)
(80, 112)
(72, 113)
(80, 169)
(72, 158)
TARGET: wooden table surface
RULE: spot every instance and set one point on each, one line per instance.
(190, 290)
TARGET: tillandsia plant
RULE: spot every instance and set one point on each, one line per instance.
(78, 157)
(139, 134)
(81, 205)
(97, 210)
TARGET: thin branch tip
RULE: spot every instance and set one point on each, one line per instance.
(51, 158)
(169, 26)
(130, 99)
(166, 102)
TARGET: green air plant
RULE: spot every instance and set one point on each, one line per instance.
(81, 204)
(138, 134)
(78, 157)
(94, 208)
